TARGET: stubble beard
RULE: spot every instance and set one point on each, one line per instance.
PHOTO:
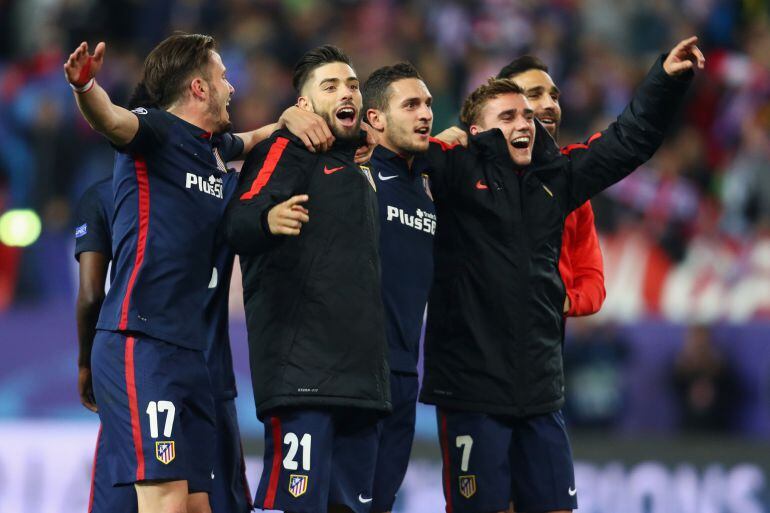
(349, 135)
(215, 107)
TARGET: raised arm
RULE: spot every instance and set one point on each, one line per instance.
(630, 141)
(117, 124)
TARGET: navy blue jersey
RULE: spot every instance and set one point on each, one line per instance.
(218, 355)
(407, 225)
(94, 233)
(93, 220)
(169, 199)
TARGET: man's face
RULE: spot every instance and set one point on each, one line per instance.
(332, 91)
(512, 114)
(543, 95)
(408, 120)
(219, 95)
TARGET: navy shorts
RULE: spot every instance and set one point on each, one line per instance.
(395, 444)
(229, 490)
(156, 408)
(490, 461)
(316, 458)
(104, 497)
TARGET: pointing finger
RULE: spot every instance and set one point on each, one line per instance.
(294, 200)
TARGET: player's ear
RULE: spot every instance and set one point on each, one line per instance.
(376, 119)
(474, 129)
(304, 103)
(199, 88)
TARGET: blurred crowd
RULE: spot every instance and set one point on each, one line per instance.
(710, 181)
(711, 178)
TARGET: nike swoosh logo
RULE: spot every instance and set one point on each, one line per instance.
(572, 492)
(362, 500)
(481, 185)
(328, 171)
(386, 178)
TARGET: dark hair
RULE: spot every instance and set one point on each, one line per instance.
(313, 59)
(141, 97)
(522, 64)
(170, 64)
(375, 90)
(485, 92)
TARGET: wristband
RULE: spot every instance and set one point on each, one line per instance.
(85, 87)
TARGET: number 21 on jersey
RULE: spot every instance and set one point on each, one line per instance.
(294, 443)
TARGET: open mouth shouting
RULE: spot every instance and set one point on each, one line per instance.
(346, 115)
(521, 142)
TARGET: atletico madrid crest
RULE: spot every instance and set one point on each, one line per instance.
(426, 185)
(297, 485)
(366, 170)
(165, 452)
(467, 486)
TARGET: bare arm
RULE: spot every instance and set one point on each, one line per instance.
(93, 273)
(115, 123)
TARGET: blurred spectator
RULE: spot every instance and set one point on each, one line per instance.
(704, 383)
(716, 162)
(594, 361)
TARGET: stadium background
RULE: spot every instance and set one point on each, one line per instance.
(669, 397)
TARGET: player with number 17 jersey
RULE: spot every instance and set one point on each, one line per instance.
(148, 359)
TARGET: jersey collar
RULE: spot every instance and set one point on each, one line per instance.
(397, 162)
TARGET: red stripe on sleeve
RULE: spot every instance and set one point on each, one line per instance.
(275, 469)
(136, 431)
(444, 146)
(143, 183)
(445, 457)
(93, 471)
(568, 149)
(273, 156)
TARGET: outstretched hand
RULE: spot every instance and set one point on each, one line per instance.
(82, 66)
(683, 57)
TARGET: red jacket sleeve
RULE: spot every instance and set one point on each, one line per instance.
(580, 264)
